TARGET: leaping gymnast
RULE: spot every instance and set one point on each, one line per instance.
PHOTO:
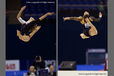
(30, 27)
(86, 20)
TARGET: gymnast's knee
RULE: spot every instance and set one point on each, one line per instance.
(94, 33)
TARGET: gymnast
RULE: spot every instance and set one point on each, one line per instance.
(86, 20)
(30, 27)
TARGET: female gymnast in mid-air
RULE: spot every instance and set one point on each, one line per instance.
(86, 20)
(30, 27)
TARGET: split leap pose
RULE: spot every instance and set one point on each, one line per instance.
(30, 27)
(86, 20)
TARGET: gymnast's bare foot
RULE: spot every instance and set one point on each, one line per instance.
(83, 36)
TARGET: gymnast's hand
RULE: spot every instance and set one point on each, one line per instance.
(66, 18)
(100, 14)
(50, 13)
(23, 7)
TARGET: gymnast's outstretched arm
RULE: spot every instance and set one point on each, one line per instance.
(96, 19)
(45, 15)
(72, 18)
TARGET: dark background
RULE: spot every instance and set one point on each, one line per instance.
(43, 43)
(71, 46)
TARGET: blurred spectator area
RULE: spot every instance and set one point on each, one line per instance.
(77, 6)
(79, 2)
